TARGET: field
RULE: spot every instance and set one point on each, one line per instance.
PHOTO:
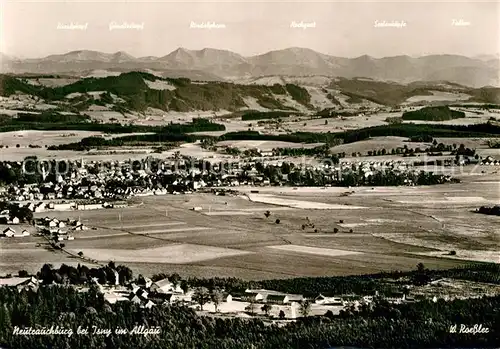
(394, 228)
(439, 96)
(265, 145)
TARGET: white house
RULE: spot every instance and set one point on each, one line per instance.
(148, 304)
(15, 220)
(328, 300)
(40, 207)
(277, 299)
(9, 232)
(19, 282)
(165, 286)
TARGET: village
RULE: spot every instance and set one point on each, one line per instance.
(98, 185)
(260, 303)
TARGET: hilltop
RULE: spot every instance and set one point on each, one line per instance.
(137, 91)
(226, 65)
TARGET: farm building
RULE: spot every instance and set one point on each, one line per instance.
(148, 304)
(89, 206)
(165, 286)
(328, 300)
(249, 296)
(113, 297)
(21, 283)
(277, 299)
(9, 232)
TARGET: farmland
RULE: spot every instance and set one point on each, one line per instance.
(309, 231)
(392, 228)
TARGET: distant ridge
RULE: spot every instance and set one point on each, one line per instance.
(227, 65)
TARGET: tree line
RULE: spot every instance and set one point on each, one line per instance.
(424, 324)
(493, 210)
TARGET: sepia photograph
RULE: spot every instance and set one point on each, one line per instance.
(249, 174)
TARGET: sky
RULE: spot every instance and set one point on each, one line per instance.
(338, 28)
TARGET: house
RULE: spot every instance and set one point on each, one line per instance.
(145, 282)
(320, 299)
(142, 293)
(277, 299)
(133, 287)
(350, 298)
(9, 232)
(135, 299)
(165, 286)
(266, 153)
(64, 206)
(113, 297)
(15, 220)
(395, 297)
(40, 207)
(169, 298)
(148, 304)
(25, 233)
(80, 227)
(250, 296)
(328, 300)
(71, 237)
(295, 297)
(89, 206)
(20, 283)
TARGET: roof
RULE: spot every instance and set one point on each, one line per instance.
(14, 281)
(162, 283)
(395, 294)
(276, 297)
(295, 297)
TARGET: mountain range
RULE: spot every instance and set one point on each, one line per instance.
(213, 64)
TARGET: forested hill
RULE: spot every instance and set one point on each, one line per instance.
(440, 113)
(142, 90)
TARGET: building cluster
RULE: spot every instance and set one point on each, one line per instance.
(10, 232)
(21, 283)
(489, 161)
(60, 230)
(147, 293)
(93, 184)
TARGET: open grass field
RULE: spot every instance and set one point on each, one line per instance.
(175, 253)
(394, 228)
